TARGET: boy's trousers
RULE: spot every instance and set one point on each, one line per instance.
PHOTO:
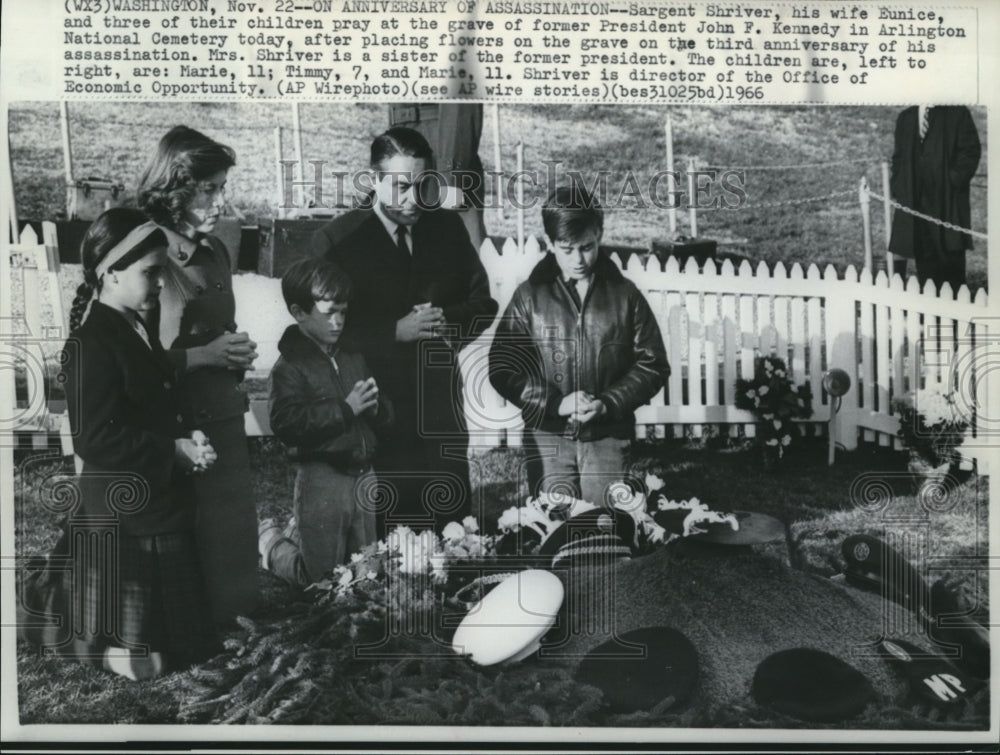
(335, 517)
(583, 469)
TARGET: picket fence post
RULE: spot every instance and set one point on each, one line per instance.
(841, 345)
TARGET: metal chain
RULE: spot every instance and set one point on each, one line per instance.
(928, 218)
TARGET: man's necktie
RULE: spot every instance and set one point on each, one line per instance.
(401, 239)
(925, 120)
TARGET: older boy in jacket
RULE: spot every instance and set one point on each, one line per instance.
(324, 406)
(578, 350)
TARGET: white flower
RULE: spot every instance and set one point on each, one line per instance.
(763, 390)
(751, 393)
(453, 531)
(356, 557)
(667, 505)
(776, 423)
(535, 518)
(371, 575)
(767, 415)
(346, 578)
(935, 407)
(510, 520)
(476, 547)
(470, 524)
(654, 483)
(771, 442)
(779, 373)
(786, 439)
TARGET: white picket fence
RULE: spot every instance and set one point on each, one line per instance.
(888, 335)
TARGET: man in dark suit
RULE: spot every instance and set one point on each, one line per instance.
(936, 153)
(420, 294)
(453, 130)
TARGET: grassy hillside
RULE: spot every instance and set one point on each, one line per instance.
(115, 139)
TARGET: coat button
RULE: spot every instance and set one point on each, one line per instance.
(167, 385)
(558, 377)
(182, 256)
(199, 289)
(180, 418)
(218, 286)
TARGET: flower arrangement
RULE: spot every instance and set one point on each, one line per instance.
(410, 572)
(931, 427)
(541, 516)
(407, 558)
(775, 402)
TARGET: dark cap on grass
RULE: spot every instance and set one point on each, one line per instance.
(873, 564)
(645, 669)
(593, 537)
(811, 685)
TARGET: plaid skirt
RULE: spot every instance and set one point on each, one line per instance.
(100, 588)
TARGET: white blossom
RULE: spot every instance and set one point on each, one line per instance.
(510, 520)
(453, 531)
(654, 483)
(346, 578)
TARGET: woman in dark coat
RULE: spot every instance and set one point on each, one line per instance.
(124, 579)
(183, 190)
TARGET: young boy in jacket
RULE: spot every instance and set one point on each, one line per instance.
(578, 350)
(324, 406)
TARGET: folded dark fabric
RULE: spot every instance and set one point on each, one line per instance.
(643, 669)
(811, 685)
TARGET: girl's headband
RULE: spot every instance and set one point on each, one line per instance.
(135, 237)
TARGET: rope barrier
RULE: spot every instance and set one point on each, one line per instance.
(928, 218)
(802, 200)
(793, 167)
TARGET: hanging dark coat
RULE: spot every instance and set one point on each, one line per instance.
(932, 176)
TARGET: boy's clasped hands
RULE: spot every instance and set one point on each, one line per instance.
(363, 396)
(581, 407)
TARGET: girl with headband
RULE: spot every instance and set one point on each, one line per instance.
(183, 191)
(124, 579)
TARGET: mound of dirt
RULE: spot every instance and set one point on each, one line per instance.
(737, 606)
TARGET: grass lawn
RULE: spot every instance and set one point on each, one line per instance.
(293, 662)
(114, 140)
